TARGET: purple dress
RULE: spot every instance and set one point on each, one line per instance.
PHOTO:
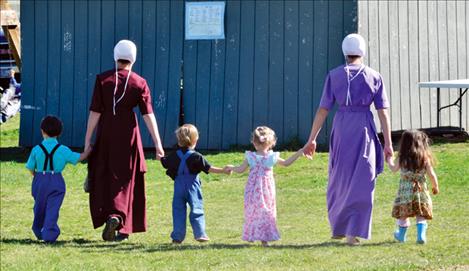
(356, 156)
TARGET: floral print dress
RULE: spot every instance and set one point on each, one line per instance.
(260, 210)
(413, 198)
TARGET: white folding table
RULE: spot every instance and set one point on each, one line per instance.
(458, 84)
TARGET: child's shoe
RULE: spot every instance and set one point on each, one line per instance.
(421, 233)
(399, 234)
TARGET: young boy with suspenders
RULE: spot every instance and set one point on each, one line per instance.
(46, 162)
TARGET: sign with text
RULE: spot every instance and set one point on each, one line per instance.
(205, 20)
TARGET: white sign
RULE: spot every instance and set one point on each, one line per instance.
(205, 20)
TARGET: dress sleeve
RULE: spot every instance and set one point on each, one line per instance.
(70, 156)
(248, 157)
(273, 157)
(327, 99)
(97, 103)
(144, 102)
(31, 164)
(380, 99)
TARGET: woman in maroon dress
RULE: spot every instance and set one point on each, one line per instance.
(116, 166)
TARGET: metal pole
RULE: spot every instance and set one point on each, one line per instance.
(460, 109)
(438, 107)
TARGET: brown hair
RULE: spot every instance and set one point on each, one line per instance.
(51, 125)
(264, 136)
(414, 151)
(187, 135)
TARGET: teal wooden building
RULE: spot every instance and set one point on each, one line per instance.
(268, 70)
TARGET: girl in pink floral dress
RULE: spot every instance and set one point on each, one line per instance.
(260, 211)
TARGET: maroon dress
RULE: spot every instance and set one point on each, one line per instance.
(116, 165)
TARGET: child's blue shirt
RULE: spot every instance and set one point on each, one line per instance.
(62, 156)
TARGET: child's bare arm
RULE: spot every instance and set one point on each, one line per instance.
(433, 178)
(218, 170)
(239, 169)
(393, 164)
(291, 159)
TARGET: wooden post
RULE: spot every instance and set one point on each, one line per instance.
(11, 28)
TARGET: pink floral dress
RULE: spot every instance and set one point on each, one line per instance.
(260, 210)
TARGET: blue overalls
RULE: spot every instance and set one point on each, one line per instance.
(48, 190)
(187, 190)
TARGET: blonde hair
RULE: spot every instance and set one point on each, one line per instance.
(187, 135)
(264, 136)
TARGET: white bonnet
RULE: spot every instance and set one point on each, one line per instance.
(125, 49)
(354, 45)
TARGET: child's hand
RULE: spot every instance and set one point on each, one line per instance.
(435, 190)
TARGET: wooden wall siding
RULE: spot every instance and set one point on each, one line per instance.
(66, 43)
(414, 41)
(269, 70)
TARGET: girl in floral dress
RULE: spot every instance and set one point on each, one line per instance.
(260, 212)
(415, 161)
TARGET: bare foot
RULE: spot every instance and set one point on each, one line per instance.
(353, 241)
(203, 239)
(338, 237)
(265, 244)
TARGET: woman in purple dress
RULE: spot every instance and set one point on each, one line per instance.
(356, 155)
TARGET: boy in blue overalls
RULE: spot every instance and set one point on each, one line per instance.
(184, 166)
(46, 162)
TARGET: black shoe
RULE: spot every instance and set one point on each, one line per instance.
(109, 232)
(121, 237)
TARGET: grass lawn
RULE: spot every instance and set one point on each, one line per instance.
(302, 221)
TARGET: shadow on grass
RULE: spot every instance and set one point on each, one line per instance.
(14, 154)
(128, 246)
(27, 241)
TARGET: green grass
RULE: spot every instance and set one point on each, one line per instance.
(9, 132)
(302, 220)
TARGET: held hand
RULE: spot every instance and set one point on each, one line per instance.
(159, 153)
(389, 159)
(309, 149)
(228, 169)
(435, 190)
(388, 152)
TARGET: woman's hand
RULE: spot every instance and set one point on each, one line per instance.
(309, 149)
(388, 151)
(159, 152)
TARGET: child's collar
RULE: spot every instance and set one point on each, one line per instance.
(50, 139)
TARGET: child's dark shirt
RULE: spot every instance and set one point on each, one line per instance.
(196, 163)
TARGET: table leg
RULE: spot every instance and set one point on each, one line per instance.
(437, 107)
(460, 109)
